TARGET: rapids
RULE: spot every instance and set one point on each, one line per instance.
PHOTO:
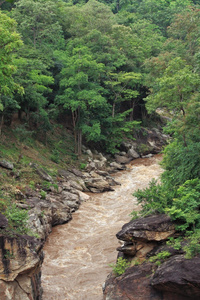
(78, 254)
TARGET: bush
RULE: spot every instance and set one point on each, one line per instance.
(182, 204)
(154, 199)
(185, 207)
(120, 267)
(43, 194)
(181, 163)
(160, 257)
(17, 219)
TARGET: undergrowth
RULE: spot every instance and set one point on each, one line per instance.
(178, 195)
(120, 267)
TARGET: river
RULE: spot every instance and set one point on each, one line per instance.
(78, 254)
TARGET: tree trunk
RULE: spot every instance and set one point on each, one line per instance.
(79, 150)
(113, 110)
(131, 114)
(1, 123)
(79, 142)
(74, 117)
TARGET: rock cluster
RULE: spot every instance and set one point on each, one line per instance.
(176, 278)
(22, 256)
(20, 269)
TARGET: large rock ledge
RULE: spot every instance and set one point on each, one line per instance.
(20, 268)
(176, 278)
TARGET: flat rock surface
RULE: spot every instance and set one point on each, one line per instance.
(134, 284)
(154, 227)
(179, 275)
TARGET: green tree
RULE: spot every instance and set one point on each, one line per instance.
(39, 27)
(80, 88)
(10, 41)
(42, 34)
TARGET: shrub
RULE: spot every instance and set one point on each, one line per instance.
(120, 267)
(181, 163)
(160, 257)
(155, 198)
(185, 207)
(43, 194)
(83, 166)
(17, 219)
(192, 248)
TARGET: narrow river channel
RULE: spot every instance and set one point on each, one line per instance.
(78, 254)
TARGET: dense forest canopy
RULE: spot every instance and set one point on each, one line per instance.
(105, 69)
(97, 62)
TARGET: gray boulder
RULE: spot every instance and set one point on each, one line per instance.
(6, 164)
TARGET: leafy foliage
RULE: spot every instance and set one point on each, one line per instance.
(120, 267)
(185, 207)
(160, 257)
(155, 198)
(181, 163)
(9, 41)
(17, 219)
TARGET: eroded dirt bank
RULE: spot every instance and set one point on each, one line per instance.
(78, 254)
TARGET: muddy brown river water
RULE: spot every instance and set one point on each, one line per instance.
(78, 254)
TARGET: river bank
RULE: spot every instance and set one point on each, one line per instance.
(47, 195)
(78, 254)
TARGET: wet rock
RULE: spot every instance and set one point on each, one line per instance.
(117, 166)
(102, 173)
(151, 228)
(83, 197)
(112, 181)
(132, 285)
(156, 139)
(126, 145)
(128, 249)
(20, 268)
(122, 153)
(98, 185)
(102, 158)
(147, 156)
(137, 250)
(90, 166)
(132, 153)
(70, 200)
(6, 164)
(179, 275)
(17, 255)
(61, 213)
(75, 185)
(123, 159)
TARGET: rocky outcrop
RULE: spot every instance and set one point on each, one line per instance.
(135, 284)
(22, 256)
(20, 268)
(42, 173)
(151, 228)
(146, 141)
(6, 164)
(176, 278)
(3, 221)
(179, 275)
